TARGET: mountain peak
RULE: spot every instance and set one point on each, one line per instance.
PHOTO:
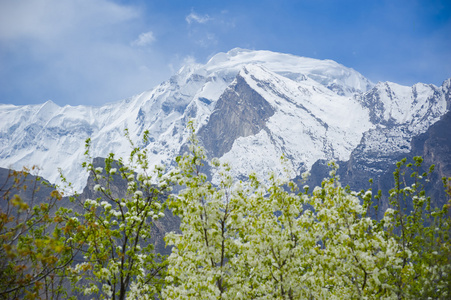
(338, 78)
(250, 106)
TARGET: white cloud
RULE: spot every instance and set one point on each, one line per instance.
(50, 19)
(144, 39)
(193, 17)
(189, 60)
(75, 51)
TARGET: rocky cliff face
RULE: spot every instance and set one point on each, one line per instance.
(446, 88)
(250, 107)
(434, 146)
(239, 112)
(400, 113)
(31, 188)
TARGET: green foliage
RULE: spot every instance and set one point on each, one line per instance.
(114, 232)
(34, 251)
(423, 234)
(254, 240)
(238, 240)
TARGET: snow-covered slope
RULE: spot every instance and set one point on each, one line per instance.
(310, 122)
(399, 113)
(250, 107)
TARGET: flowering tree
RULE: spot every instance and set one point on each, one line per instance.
(237, 240)
(202, 263)
(114, 233)
(249, 240)
(422, 234)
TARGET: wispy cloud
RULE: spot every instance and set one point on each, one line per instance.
(208, 40)
(193, 17)
(56, 47)
(93, 51)
(144, 39)
(37, 19)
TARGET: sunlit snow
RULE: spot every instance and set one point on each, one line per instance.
(320, 113)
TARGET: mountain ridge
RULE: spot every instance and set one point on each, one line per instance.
(307, 109)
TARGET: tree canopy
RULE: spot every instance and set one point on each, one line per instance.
(252, 239)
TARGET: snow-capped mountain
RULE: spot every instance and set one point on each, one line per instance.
(250, 107)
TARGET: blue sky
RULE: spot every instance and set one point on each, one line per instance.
(96, 51)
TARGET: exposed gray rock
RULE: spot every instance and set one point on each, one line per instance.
(434, 146)
(239, 112)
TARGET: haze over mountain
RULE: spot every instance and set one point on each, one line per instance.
(250, 108)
